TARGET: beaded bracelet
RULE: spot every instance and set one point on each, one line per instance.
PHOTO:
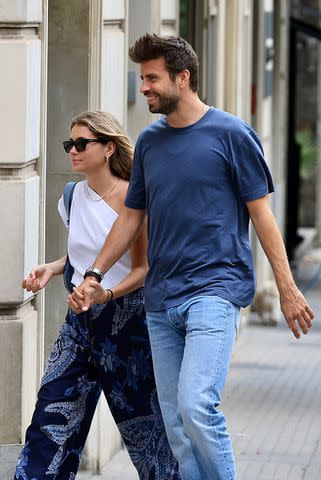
(110, 294)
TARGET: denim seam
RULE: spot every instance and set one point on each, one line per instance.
(228, 306)
(173, 314)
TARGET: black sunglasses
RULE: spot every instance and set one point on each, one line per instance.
(81, 143)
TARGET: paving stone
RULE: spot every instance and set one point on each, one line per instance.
(8, 460)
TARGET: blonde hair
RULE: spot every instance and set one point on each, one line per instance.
(105, 125)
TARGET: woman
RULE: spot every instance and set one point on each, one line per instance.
(106, 348)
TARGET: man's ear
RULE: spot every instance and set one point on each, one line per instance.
(183, 78)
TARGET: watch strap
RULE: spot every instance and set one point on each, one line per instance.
(94, 272)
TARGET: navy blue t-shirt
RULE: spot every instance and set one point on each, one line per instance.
(194, 182)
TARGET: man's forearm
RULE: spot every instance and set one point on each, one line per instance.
(294, 306)
(272, 243)
(122, 235)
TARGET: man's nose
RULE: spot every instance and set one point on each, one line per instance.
(144, 87)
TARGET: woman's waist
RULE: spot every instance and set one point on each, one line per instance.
(114, 276)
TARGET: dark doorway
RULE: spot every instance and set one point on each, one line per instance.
(303, 111)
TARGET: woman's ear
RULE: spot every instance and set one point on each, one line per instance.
(110, 148)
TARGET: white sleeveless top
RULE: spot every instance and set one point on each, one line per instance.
(90, 223)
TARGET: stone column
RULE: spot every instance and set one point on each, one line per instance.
(169, 17)
(216, 52)
(153, 16)
(144, 17)
(107, 90)
(279, 108)
(114, 56)
(68, 48)
(262, 106)
(269, 78)
(22, 83)
(238, 72)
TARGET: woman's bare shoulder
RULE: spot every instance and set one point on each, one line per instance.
(123, 187)
(117, 199)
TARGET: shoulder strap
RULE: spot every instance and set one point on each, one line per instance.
(67, 196)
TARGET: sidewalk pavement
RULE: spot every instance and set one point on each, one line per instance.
(120, 468)
(272, 402)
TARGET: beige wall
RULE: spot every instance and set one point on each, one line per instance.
(23, 56)
(68, 45)
(279, 108)
(238, 58)
(154, 16)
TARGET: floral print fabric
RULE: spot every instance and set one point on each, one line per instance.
(105, 349)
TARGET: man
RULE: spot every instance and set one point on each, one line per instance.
(199, 173)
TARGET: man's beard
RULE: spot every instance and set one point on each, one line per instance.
(167, 104)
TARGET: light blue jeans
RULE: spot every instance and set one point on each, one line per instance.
(192, 346)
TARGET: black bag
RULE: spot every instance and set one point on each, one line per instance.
(68, 268)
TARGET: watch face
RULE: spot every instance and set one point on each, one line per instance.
(95, 272)
(99, 272)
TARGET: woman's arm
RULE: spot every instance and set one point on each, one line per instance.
(40, 275)
(57, 266)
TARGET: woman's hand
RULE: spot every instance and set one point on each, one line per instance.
(38, 278)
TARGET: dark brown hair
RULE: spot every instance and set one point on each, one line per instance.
(177, 53)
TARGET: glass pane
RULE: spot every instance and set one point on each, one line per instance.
(307, 11)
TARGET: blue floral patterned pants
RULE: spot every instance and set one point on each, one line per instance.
(105, 349)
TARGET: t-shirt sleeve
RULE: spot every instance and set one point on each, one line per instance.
(136, 193)
(250, 171)
(62, 211)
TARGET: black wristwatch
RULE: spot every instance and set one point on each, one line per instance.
(94, 272)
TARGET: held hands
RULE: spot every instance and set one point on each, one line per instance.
(296, 311)
(89, 293)
(38, 278)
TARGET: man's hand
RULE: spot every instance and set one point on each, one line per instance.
(89, 293)
(100, 295)
(296, 311)
(37, 278)
(294, 306)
